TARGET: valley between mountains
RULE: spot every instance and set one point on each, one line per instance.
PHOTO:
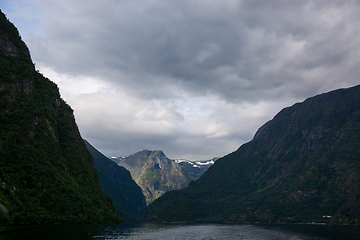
(303, 166)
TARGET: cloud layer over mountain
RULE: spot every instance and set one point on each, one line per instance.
(192, 78)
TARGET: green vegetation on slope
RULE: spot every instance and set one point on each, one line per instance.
(302, 165)
(46, 173)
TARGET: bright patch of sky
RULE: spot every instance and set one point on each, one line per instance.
(72, 87)
(25, 15)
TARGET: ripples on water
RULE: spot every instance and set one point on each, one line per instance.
(195, 232)
(177, 231)
(201, 232)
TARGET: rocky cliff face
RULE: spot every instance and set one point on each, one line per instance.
(302, 165)
(116, 182)
(155, 173)
(46, 173)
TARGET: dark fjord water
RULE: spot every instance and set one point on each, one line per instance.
(180, 231)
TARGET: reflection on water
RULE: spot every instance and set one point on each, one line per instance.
(53, 232)
(181, 231)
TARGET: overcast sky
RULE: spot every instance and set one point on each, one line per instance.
(195, 79)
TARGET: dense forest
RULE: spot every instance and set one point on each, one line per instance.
(46, 173)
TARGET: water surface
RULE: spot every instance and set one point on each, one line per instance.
(182, 231)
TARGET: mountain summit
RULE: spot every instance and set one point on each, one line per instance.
(302, 166)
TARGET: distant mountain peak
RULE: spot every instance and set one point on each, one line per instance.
(156, 174)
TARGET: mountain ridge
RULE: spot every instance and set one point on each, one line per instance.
(193, 168)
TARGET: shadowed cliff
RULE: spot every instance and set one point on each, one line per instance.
(116, 182)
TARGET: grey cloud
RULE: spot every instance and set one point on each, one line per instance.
(232, 53)
(185, 43)
(175, 146)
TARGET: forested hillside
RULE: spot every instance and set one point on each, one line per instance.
(302, 165)
(46, 173)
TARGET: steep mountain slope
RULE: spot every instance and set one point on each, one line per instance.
(300, 166)
(116, 182)
(155, 173)
(46, 173)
